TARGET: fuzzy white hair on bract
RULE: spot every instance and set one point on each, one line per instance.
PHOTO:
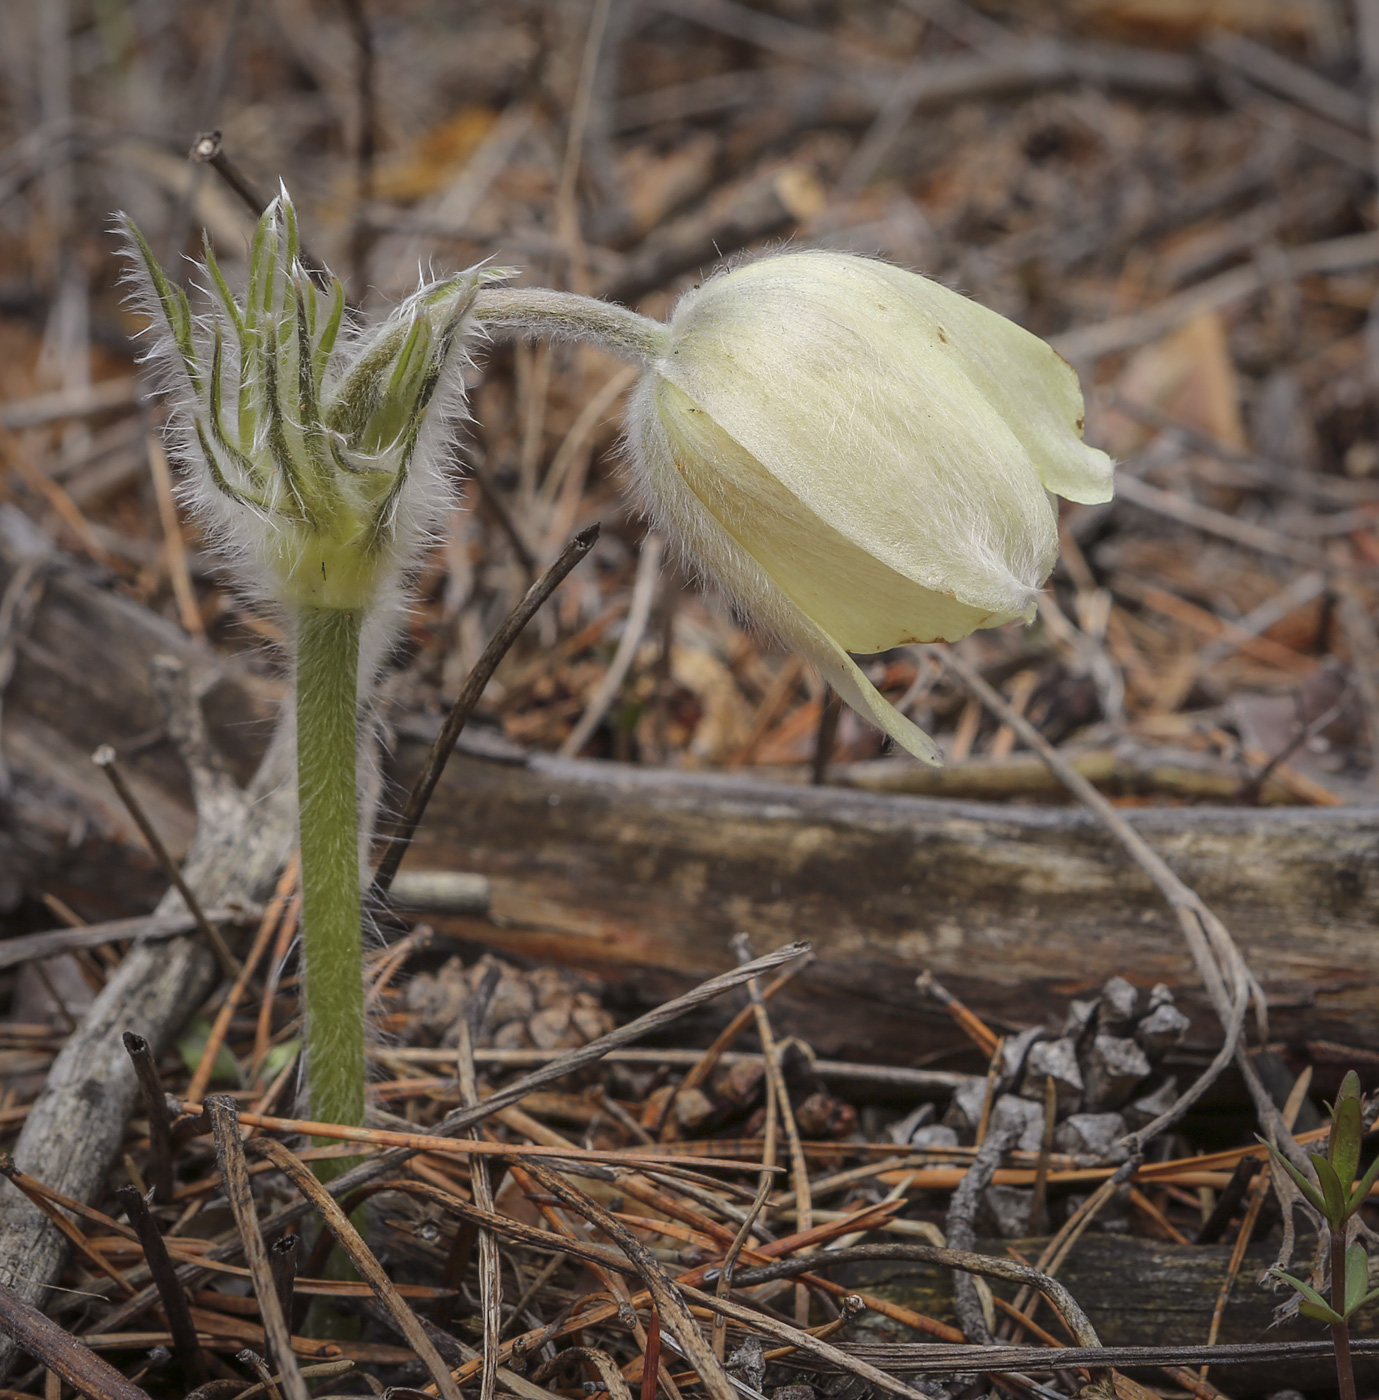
(245, 535)
(248, 535)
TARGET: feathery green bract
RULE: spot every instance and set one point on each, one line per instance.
(309, 425)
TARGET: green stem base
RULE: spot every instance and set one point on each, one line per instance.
(328, 800)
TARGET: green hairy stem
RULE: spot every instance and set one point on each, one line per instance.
(327, 794)
(537, 311)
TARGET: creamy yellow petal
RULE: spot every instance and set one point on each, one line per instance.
(665, 494)
(840, 376)
(847, 678)
(859, 602)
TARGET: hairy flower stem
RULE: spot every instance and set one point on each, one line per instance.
(327, 795)
(536, 311)
(1340, 1331)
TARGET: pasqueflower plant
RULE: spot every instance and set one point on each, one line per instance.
(317, 451)
(857, 455)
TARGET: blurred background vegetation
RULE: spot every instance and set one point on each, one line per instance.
(1179, 195)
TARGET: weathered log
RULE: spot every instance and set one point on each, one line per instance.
(95, 641)
(1136, 1292)
(643, 875)
(83, 677)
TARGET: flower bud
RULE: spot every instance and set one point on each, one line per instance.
(320, 443)
(862, 457)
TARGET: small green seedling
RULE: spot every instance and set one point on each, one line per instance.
(1337, 1197)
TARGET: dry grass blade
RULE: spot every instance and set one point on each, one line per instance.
(481, 1185)
(671, 1306)
(229, 1151)
(350, 1240)
(604, 1364)
(792, 1336)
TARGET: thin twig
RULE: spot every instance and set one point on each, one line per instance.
(174, 1298)
(156, 1106)
(350, 1240)
(282, 1259)
(960, 1227)
(80, 1367)
(104, 759)
(467, 699)
(229, 1152)
(208, 149)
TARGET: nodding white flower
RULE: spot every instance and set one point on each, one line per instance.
(862, 457)
(320, 444)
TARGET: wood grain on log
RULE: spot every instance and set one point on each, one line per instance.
(1136, 1292)
(84, 676)
(634, 872)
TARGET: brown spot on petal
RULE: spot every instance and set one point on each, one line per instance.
(941, 335)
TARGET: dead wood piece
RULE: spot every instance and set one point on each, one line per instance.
(940, 1359)
(83, 675)
(156, 1107)
(149, 928)
(642, 876)
(1137, 1293)
(75, 1127)
(61, 1352)
(1126, 770)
